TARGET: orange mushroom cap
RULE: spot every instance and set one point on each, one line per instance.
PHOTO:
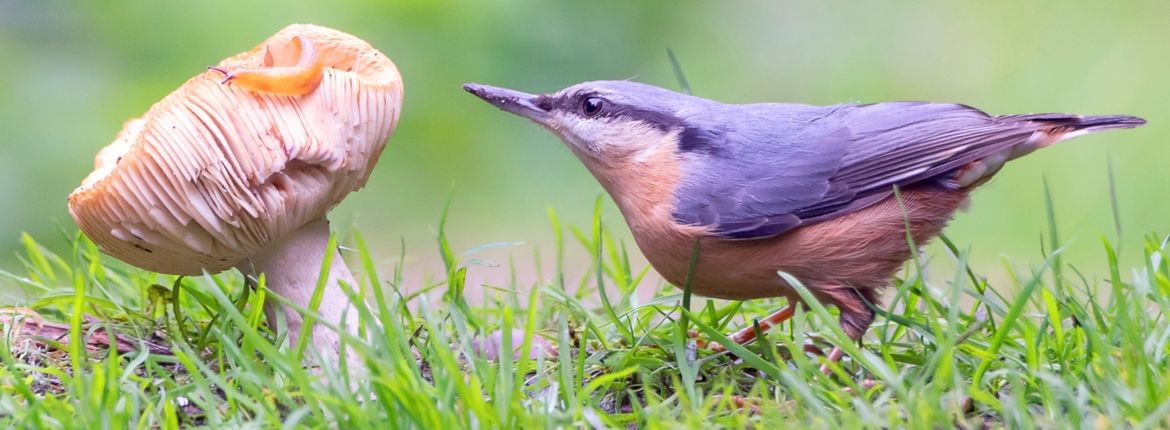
(213, 173)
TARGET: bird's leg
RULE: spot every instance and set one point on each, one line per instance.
(856, 316)
(748, 334)
(296, 80)
(834, 357)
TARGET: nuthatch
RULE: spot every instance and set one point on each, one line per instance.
(762, 188)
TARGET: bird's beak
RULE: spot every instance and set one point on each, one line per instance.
(515, 102)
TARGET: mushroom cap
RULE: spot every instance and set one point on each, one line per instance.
(213, 173)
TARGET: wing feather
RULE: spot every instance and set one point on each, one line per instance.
(780, 166)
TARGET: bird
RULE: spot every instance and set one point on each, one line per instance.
(836, 196)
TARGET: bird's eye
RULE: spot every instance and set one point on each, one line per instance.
(591, 106)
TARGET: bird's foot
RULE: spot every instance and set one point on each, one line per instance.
(833, 358)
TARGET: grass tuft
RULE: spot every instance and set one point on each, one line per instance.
(1050, 347)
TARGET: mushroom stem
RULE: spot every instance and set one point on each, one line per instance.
(291, 266)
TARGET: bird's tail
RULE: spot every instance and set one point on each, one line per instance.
(1064, 123)
(1051, 128)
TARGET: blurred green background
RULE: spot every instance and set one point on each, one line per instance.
(73, 71)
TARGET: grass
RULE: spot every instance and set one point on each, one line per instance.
(1051, 348)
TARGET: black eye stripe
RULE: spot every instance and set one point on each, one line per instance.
(571, 104)
(565, 103)
(661, 120)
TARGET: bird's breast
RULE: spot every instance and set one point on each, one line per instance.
(644, 188)
(862, 249)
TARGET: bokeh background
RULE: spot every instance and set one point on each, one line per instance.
(73, 71)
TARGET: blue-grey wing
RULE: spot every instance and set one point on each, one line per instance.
(750, 169)
(770, 168)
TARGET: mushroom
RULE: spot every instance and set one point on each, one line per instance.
(238, 167)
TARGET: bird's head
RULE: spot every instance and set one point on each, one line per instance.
(609, 123)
